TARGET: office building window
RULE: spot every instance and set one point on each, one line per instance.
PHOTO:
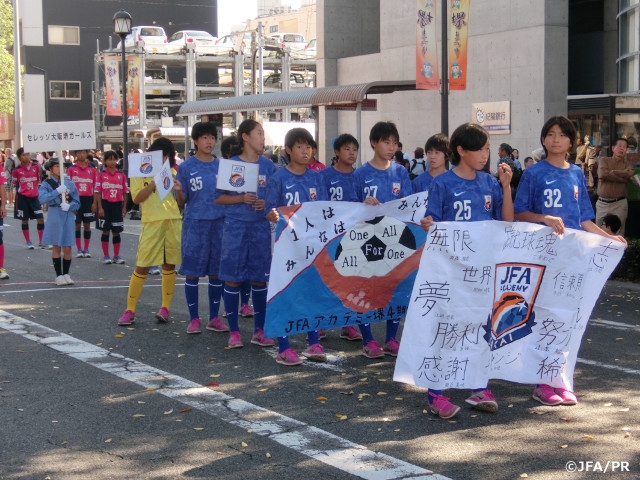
(63, 90)
(629, 46)
(273, 29)
(59, 35)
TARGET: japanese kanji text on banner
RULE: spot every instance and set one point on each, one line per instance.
(426, 57)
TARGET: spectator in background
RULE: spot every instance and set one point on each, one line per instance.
(528, 162)
(418, 164)
(10, 162)
(314, 164)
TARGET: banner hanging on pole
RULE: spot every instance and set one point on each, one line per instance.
(458, 39)
(134, 68)
(426, 56)
(112, 80)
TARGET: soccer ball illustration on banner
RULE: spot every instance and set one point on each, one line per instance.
(364, 266)
(374, 248)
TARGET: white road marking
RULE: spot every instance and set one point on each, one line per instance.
(305, 439)
(619, 368)
(599, 322)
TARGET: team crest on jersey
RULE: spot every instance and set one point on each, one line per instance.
(487, 203)
(395, 188)
(515, 290)
(576, 192)
(262, 180)
(237, 176)
(312, 194)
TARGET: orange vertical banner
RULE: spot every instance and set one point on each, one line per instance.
(426, 56)
(458, 40)
(112, 85)
(134, 68)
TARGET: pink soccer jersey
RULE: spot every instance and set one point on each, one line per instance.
(27, 180)
(112, 186)
(84, 178)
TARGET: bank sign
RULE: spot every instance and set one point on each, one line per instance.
(494, 117)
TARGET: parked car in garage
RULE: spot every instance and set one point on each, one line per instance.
(310, 50)
(294, 41)
(151, 39)
(296, 80)
(203, 42)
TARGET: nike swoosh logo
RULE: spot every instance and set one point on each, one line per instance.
(290, 186)
(192, 173)
(368, 181)
(550, 182)
(457, 194)
(333, 182)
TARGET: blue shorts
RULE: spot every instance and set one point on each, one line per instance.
(246, 251)
(201, 247)
(112, 220)
(27, 208)
(84, 213)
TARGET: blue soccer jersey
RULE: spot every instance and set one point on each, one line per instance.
(421, 182)
(385, 185)
(455, 199)
(244, 211)
(560, 192)
(198, 181)
(340, 186)
(286, 188)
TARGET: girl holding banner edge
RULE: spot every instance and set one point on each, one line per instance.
(468, 194)
(553, 192)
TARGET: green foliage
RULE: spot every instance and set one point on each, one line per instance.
(7, 69)
(629, 266)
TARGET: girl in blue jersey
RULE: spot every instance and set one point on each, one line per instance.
(201, 226)
(339, 181)
(379, 181)
(554, 193)
(437, 149)
(292, 185)
(246, 238)
(467, 194)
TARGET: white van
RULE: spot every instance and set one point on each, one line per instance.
(294, 41)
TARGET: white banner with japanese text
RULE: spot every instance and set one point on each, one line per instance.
(342, 263)
(499, 300)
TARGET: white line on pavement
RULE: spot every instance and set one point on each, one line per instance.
(298, 436)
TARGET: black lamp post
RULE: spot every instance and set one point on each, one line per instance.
(122, 28)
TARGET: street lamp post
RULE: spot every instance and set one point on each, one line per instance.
(122, 28)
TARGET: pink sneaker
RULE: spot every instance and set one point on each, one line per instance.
(350, 333)
(259, 339)
(484, 401)
(288, 357)
(315, 353)
(392, 347)
(163, 315)
(372, 350)
(441, 406)
(246, 310)
(217, 325)
(568, 398)
(127, 318)
(235, 341)
(546, 395)
(194, 326)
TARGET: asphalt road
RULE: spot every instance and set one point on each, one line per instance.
(81, 398)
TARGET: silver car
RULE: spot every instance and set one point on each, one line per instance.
(204, 43)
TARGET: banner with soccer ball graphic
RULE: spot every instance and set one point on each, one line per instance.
(337, 264)
(498, 300)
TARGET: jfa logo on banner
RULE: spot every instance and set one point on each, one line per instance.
(514, 296)
(146, 165)
(237, 176)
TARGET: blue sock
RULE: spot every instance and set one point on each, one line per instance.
(434, 392)
(283, 344)
(312, 337)
(365, 330)
(392, 329)
(476, 390)
(245, 291)
(215, 293)
(259, 294)
(191, 295)
(231, 298)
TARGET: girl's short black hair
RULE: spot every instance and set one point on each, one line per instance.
(439, 142)
(203, 128)
(566, 126)
(227, 145)
(110, 154)
(168, 150)
(469, 136)
(345, 139)
(298, 134)
(383, 131)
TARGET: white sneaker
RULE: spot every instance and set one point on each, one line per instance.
(61, 281)
(67, 279)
